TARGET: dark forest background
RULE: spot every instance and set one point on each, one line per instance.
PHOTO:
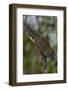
(32, 60)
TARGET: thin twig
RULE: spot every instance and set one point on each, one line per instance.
(44, 65)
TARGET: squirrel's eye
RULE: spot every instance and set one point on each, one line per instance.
(46, 53)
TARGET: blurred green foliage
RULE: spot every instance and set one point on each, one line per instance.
(32, 60)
